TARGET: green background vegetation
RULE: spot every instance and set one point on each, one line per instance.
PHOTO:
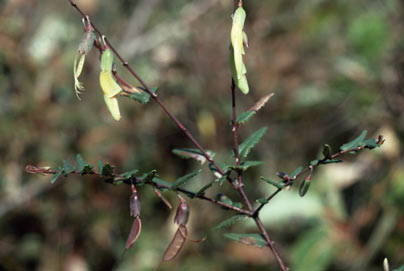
(336, 68)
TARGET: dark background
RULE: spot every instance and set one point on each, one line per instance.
(336, 68)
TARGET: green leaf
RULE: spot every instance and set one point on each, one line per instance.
(296, 172)
(245, 165)
(187, 153)
(129, 174)
(222, 166)
(82, 166)
(251, 239)
(331, 161)
(354, 143)
(262, 200)
(143, 97)
(207, 186)
(57, 174)
(223, 198)
(251, 141)
(185, 178)
(327, 151)
(224, 178)
(149, 176)
(401, 268)
(245, 116)
(162, 182)
(371, 143)
(230, 221)
(105, 169)
(67, 168)
(276, 184)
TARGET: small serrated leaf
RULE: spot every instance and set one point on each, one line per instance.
(182, 180)
(149, 176)
(187, 153)
(107, 170)
(251, 141)
(162, 182)
(230, 221)
(142, 97)
(245, 165)
(205, 187)
(67, 168)
(56, 175)
(82, 166)
(371, 143)
(245, 116)
(354, 143)
(251, 239)
(276, 184)
(129, 174)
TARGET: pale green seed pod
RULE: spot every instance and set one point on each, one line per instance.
(241, 83)
(237, 39)
(107, 59)
(113, 107)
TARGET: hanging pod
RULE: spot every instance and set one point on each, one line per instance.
(108, 84)
(85, 46)
(236, 50)
(135, 212)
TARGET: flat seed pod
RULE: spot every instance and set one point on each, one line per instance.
(134, 232)
(175, 245)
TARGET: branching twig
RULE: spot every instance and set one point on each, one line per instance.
(311, 168)
(135, 180)
(238, 186)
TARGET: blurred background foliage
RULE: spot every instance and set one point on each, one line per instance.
(336, 68)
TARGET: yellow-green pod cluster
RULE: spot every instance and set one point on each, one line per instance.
(84, 48)
(238, 39)
(108, 84)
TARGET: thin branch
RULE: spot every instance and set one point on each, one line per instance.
(190, 137)
(240, 185)
(134, 180)
(310, 167)
(154, 95)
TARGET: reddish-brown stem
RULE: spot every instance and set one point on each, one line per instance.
(238, 186)
(153, 95)
(311, 169)
(270, 243)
